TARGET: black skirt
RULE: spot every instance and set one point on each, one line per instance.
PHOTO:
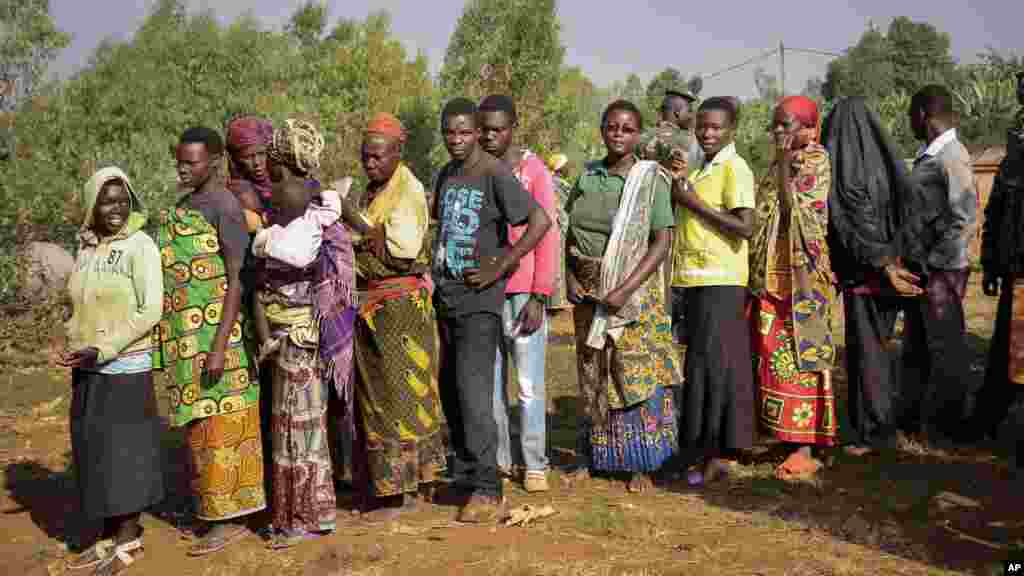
(718, 394)
(116, 443)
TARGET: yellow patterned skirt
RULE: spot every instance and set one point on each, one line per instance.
(227, 465)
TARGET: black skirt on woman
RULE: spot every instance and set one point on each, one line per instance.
(116, 443)
(718, 394)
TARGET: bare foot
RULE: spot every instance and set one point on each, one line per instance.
(714, 469)
(639, 483)
(389, 509)
(576, 477)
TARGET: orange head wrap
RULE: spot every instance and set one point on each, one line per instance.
(385, 124)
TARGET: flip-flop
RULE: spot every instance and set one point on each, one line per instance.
(210, 544)
(695, 478)
(94, 556)
(124, 556)
(797, 466)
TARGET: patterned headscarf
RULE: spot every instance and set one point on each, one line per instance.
(298, 145)
(243, 131)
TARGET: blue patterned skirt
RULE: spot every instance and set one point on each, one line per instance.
(639, 438)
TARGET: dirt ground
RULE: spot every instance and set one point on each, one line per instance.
(923, 510)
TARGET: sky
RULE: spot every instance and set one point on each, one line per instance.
(609, 43)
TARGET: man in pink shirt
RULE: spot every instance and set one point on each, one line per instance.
(526, 296)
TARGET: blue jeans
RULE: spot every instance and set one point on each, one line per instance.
(528, 357)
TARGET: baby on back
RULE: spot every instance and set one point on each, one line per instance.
(296, 231)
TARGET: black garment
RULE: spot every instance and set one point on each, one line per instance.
(869, 181)
(474, 213)
(1002, 256)
(998, 393)
(718, 394)
(871, 368)
(470, 345)
(116, 443)
(1002, 236)
(935, 362)
(678, 316)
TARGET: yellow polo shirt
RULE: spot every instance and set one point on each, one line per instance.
(702, 255)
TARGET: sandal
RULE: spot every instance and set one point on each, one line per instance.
(122, 558)
(209, 544)
(855, 450)
(283, 539)
(94, 556)
(797, 466)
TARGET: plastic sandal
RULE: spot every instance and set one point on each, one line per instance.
(92, 557)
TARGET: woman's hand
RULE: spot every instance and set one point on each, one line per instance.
(990, 284)
(573, 290)
(377, 239)
(84, 358)
(615, 300)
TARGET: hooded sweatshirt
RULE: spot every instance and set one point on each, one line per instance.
(116, 287)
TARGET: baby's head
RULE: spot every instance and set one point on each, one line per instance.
(291, 201)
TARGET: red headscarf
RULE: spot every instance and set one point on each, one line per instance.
(805, 111)
(248, 131)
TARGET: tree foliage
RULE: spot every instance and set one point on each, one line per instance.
(134, 99)
(907, 56)
(511, 47)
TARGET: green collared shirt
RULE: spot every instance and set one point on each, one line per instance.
(594, 201)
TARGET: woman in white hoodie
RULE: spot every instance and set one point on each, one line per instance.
(116, 292)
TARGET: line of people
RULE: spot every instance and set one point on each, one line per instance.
(290, 314)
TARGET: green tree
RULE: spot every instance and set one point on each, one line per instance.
(131, 102)
(907, 56)
(29, 41)
(511, 47)
(308, 23)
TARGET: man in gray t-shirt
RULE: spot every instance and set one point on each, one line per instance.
(476, 199)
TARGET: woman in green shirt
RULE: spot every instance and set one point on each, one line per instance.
(620, 228)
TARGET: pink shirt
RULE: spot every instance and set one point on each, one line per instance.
(536, 272)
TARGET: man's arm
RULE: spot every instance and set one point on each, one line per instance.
(546, 253)
(963, 200)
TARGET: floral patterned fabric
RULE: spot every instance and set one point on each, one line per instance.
(627, 371)
(798, 245)
(796, 406)
(791, 279)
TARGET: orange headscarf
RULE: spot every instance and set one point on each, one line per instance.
(385, 124)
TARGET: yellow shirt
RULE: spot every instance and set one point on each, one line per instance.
(703, 256)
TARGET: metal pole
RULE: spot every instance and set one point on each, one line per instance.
(782, 70)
